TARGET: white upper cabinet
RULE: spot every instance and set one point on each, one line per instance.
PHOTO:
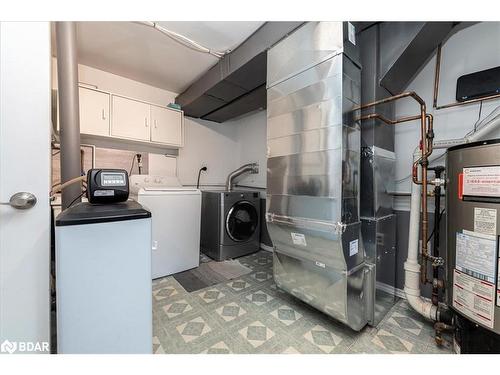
(107, 115)
(94, 112)
(131, 119)
(166, 126)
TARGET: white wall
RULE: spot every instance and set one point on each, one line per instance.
(208, 144)
(118, 85)
(472, 49)
(252, 137)
(222, 148)
(25, 166)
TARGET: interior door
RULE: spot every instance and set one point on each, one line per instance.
(167, 126)
(24, 167)
(131, 119)
(94, 112)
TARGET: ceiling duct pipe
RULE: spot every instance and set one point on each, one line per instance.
(247, 168)
(69, 116)
(236, 85)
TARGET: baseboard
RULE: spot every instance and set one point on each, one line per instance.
(266, 247)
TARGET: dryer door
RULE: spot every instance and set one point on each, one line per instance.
(242, 221)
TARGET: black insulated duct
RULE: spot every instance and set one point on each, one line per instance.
(236, 84)
(405, 47)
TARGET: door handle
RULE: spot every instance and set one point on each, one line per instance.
(21, 201)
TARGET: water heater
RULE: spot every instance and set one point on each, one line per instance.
(473, 230)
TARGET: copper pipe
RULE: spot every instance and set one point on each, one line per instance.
(470, 101)
(386, 120)
(430, 134)
(429, 141)
(436, 88)
(411, 94)
(436, 76)
(423, 166)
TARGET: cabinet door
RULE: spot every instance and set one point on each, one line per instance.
(131, 119)
(167, 126)
(94, 112)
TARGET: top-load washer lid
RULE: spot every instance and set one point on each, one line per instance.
(170, 190)
(87, 213)
(143, 181)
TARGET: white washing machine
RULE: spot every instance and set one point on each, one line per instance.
(176, 216)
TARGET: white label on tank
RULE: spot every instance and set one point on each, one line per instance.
(485, 220)
(476, 255)
(351, 33)
(482, 181)
(298, 239)
(353, 247)
(474, 298)
(319, 264)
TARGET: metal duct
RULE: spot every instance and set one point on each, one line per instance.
(69, 116)
(312, 211)
(405, 47)
(235, 85)
(378, 162)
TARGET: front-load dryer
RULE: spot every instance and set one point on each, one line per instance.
(175, 221)
(230, 223)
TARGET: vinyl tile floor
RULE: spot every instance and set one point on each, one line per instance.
(250, 315)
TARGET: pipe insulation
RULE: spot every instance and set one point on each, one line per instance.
(69, 116)
(412, 266)
(183, 40)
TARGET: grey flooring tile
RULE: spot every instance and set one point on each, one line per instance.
(381, 341)
(213, 295)
(254, 335)
(191, 334)
(239, 285)
(251, 314)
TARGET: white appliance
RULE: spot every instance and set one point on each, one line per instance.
(103, 279)
(176, 213)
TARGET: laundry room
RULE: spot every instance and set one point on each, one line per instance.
(211, 185)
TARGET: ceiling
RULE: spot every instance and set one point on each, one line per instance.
(142, 53)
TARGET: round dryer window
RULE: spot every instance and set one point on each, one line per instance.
(242, 221)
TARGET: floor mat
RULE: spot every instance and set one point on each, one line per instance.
(230, 269)
(199, 278)
(210, 273)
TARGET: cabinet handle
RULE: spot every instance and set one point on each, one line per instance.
(103, 115)
(146, 122)
(155, 125)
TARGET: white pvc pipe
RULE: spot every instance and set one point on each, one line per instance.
(411, 266)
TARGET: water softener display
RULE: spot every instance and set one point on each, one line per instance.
(107, 185)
